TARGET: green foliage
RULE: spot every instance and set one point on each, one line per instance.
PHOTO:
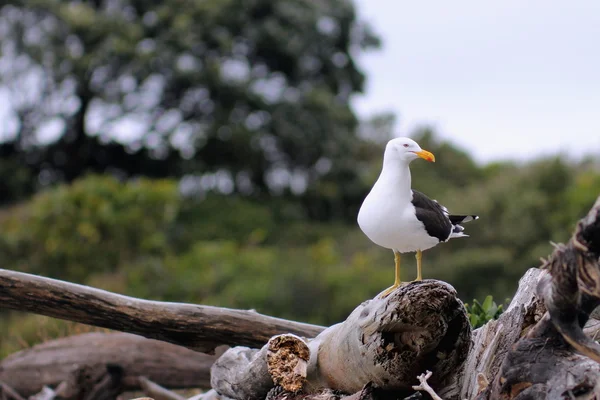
(480, 313)
(245, 221)
(92, 226)
(315, 283)
(16, 180)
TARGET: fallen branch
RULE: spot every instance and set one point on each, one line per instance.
(197, 327)
(421, 325)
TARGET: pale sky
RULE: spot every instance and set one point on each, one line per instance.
(503, 79)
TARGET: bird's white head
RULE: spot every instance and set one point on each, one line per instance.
(405, 149)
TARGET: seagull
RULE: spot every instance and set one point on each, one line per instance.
(401, 219)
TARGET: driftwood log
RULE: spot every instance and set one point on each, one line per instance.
(388, 342)
(197, 327)
(59, 361)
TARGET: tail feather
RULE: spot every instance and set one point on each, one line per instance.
(457, 229)
(459, 219)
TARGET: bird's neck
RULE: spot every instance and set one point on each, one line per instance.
(395, 177)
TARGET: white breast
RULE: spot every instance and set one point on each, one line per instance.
(393, 226)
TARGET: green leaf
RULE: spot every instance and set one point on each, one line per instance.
(487, 303)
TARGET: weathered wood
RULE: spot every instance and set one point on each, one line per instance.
(545, 368)
(492, 341)
(592, 329)
(420, 326)
(98, 382)
(242, 373)
(8, 393)
(543, 363)
(368, 392)
(197, 327)
(157, 392)
(53, 362)
(210, 395)
(389, 342)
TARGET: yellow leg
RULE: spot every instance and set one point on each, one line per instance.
(418, 256)
(397, 281)
(397, 269)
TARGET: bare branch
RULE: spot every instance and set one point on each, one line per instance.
(197, 327)
(424, 386)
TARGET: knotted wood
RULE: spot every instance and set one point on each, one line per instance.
(388, 342)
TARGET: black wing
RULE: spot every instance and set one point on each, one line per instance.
(461, 219)
(432, 215)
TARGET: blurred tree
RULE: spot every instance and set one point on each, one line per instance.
(379, 128)
(255, 90)
(454, 167)
(16, 181)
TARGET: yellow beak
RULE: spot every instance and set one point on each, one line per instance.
(425, 155)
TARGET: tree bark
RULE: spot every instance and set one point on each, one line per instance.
(197, 327)
(388, 342)
(55, 362)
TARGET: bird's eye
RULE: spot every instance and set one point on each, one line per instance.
(405, 145)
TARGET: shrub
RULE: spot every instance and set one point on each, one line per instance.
(92, 226)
